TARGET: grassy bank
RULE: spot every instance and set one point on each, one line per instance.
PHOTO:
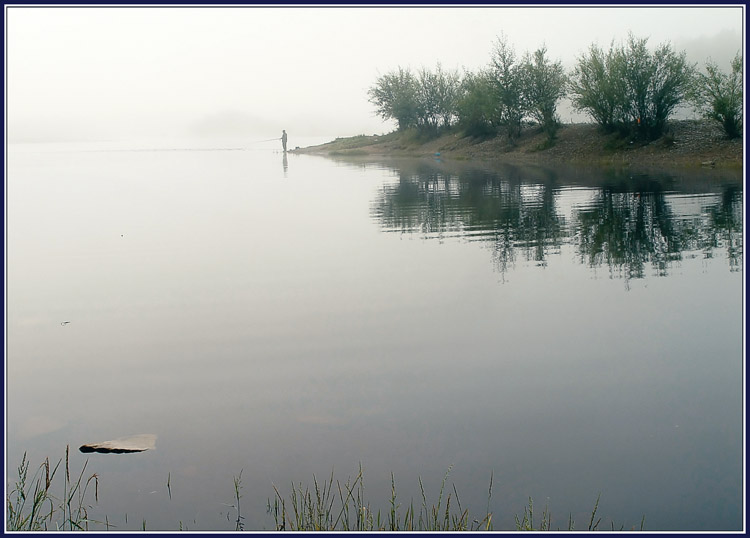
(686, 144)
(53, 499)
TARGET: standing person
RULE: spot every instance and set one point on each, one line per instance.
(283, 139)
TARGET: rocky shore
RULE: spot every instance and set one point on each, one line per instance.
(686, 144)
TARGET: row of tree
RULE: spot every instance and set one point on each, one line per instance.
(627, 89)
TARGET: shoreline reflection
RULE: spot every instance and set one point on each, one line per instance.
(627, 223)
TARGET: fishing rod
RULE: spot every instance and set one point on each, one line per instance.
(266, 140)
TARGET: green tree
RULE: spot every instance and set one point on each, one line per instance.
(597, 86)
(438, 94)
(631, 89)
(544, 85)
(428, 109)
(395, 97)
(638, 70)
(476, 108)
(507, 77)
(718, 96)
(656, 84)
(449, 93)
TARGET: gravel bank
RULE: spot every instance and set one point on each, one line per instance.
(687, 143)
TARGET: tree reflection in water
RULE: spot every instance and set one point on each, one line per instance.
(627, 223)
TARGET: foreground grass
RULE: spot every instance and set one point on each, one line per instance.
(327, 506)
(31, 505)
(344, 508)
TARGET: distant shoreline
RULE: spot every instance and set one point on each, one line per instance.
(686, 144)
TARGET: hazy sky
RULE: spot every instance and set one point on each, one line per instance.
(112, 72)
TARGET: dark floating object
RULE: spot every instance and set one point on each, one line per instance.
(122, 445)
(64, 323)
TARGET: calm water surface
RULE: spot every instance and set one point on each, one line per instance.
(569, 332)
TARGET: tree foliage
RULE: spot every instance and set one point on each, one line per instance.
(657, 83)
(428, 100)
(544, 85)
(597, 87)
(395, 97)
(630, 88)
(627, 88)
(477, 114)
(507, 74)
(438, 93)
(718, 95)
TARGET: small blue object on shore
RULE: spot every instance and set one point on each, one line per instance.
(437, 154)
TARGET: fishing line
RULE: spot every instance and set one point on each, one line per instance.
(267, 140)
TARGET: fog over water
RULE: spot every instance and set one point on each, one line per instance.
(104, 73)
(568, 332)
(171, 272)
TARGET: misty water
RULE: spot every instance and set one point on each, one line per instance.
(568, 333)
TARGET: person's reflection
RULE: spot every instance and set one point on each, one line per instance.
(285, 163)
